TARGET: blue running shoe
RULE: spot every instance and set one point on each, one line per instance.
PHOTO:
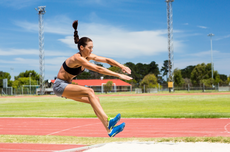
(113, 121)
(117, 129)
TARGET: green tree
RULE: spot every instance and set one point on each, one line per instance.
(83, 75)
(140, 70)
(228, 79)
(202, 72)
(161, 80)
(165, 69)
(223, 77)
(186, 72)
(95, 75)
(133, 82)
(178, 80)
(132, 67)
(153, 69)
(108, 86)
(5, 75)
(34, 75)
(187, 82)
(149, 81)
(210, 82)
(23, 81)
(216, 77)
(114, 69)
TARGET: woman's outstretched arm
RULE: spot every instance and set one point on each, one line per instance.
(110, 61)
(90, 66)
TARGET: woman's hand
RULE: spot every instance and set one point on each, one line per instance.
(126, 70)
(125, 77)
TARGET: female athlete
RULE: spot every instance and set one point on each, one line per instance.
(75, 65)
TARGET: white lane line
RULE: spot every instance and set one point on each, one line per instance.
(72, 128)
(226, 129)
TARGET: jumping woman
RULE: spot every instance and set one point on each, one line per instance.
(75, 65)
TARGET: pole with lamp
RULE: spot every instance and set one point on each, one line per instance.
(211, 52)
(30, 83)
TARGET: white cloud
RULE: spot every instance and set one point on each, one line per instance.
(218, 63)
(109, 40)
(203, 54)
(9, 52)
(203, 27)
(223, 37)
(57, 25)
(17, 52)
(34, 62)
(51, 64)
(114, 41)
(55, 61)
(220, 60)
(28, 62)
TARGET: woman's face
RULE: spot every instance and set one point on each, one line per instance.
(87, 50)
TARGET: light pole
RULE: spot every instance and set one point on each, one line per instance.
(41, 12)
(30, 83)
(211, 52)
(170, 43)
(12, 73)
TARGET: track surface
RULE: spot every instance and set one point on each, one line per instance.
(92, 127)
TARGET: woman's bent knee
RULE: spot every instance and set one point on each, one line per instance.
(90, 92)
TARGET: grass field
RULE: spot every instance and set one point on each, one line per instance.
(99, 140)
(177, 106)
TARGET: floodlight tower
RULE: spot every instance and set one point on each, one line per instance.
(170, 40)
(41, 12)
(211, 52)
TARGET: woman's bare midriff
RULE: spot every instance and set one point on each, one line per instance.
(62, 74)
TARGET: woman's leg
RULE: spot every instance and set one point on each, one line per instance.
(86, 95)
(86, 100)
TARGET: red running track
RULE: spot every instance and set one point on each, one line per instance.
(92, 127)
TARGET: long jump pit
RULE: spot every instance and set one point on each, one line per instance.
(154, 147)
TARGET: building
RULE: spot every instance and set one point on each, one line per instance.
(97, 84)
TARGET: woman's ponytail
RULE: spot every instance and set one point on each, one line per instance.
(83, 41)
(76, 37)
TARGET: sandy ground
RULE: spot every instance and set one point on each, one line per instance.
(162, 147)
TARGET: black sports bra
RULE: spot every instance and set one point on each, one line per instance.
(73, 71)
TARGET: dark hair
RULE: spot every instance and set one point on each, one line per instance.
(82, 41)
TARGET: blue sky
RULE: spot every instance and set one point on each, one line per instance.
(124, 30)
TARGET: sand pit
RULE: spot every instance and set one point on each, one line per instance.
(161, 147)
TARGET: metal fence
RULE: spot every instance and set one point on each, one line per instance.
(188, 88)
(7, 91)
(24, 90)
(36, 90)
(201, 88)
(161, 88)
